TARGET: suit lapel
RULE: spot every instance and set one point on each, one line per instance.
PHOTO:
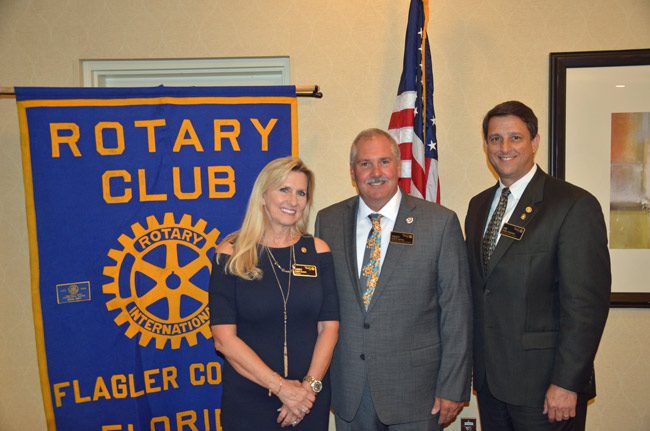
(394, 252)
(527, 207)
(350, 241)
(482, 213)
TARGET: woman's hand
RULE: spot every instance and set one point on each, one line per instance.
(286, 418)
(297, 401)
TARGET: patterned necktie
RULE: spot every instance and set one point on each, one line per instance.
(371, 259)
(492, 232)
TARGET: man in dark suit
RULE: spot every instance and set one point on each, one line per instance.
(403, 358)
(541, 280)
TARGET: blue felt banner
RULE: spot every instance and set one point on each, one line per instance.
(128, 191)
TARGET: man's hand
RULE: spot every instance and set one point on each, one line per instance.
(448, 410)
(560, 404)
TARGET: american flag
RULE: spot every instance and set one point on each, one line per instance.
(413, 122)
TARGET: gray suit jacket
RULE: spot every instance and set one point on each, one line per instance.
(414, 342)
(540, 311)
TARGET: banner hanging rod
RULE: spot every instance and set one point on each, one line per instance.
(308, 91)
(301, 91)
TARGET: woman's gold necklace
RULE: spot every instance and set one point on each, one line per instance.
(285, 300)
(275, 262)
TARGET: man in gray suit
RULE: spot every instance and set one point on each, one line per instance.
(403, 357)
(540, 270)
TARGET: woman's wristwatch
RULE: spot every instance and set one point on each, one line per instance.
(316, 385)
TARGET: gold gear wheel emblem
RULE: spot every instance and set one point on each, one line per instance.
(159, 280)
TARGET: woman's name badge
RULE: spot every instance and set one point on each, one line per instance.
(303, 270)
(402, 238)
(513, 231)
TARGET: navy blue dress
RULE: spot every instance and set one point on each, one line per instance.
(256, 308)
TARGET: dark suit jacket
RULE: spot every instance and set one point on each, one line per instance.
(540, 311)
(414, 342)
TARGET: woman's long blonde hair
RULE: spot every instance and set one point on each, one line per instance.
(244, 259)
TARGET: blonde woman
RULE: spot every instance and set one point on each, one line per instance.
(274, 308)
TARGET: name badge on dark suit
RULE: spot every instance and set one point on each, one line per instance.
(303, 270)
(404, 238)
(513, 231)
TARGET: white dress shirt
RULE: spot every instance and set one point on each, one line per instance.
(516, 190)
(389, 216)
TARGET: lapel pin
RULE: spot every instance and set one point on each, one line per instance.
(409, 220)
(529, 210)
(303, 250)
(523, 217)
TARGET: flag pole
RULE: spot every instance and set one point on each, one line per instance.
(425, 5)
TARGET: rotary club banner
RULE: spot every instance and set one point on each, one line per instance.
(128, 191)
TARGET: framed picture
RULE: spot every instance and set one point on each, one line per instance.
(599, 139)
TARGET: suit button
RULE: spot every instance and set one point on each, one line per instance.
(488, 291)
(363, 357)
(366, 325)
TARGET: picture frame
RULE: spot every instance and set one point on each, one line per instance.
(580, 149)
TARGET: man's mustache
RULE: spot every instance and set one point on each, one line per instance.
(376, 181)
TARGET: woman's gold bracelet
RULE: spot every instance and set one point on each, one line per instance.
(279, 387)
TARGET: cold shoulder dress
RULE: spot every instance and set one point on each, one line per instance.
(256, 308)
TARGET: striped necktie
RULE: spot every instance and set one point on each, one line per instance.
(491, 234)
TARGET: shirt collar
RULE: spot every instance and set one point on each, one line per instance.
(517, 188)
(389, 210)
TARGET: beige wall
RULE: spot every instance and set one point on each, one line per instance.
(484, 52)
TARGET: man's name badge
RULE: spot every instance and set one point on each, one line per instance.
(513, 231)
(402, 238)
(303, 270)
